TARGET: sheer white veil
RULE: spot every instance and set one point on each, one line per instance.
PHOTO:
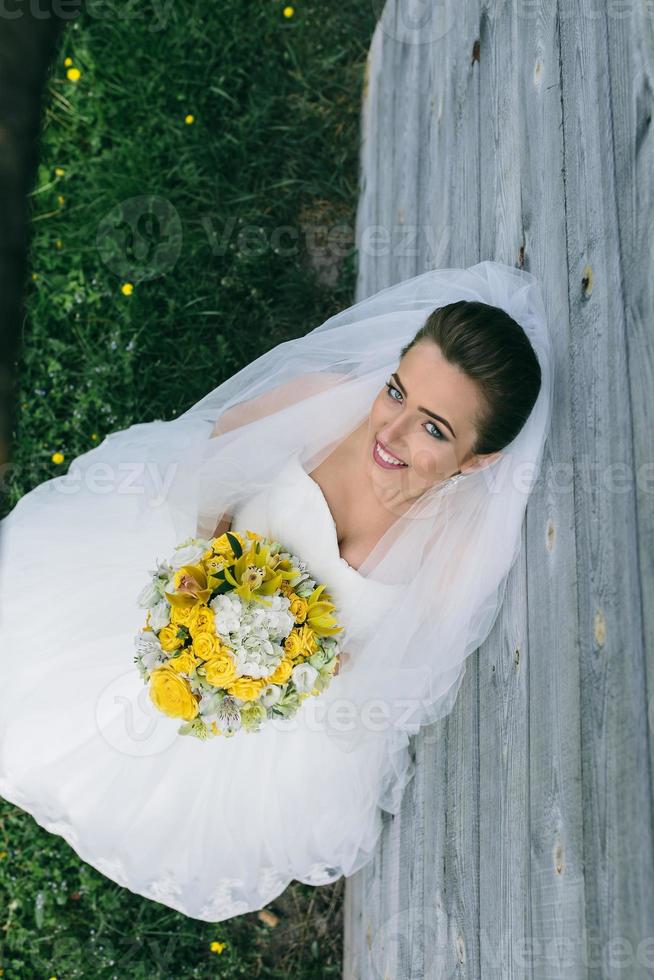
(448, 555)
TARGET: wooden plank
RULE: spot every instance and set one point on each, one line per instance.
(524, 846)
(630, 41)
(616, 774)
(449, 755)
(555, 803)
(369, 149)
(532, 907)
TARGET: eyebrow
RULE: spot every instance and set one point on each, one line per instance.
(420, 407)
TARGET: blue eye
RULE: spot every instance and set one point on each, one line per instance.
(437, 434)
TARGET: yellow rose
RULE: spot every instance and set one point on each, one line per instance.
(183, 615)
(247, 688)
(286, 589)
(206, 645)
(203, 622)
(221, 545)
(308, 639)
(169, 639)
(220, 671)
(298, 608)
(281, 673)
(293, 644)
(185, 663)
(171, 694)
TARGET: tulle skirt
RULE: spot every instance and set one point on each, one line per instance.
(211, 828)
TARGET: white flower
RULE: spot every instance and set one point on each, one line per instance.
(148, 595)
(270, 695)
(304, 676)
(149, 649)
(160, 615)
(188, 555)
(227, 614)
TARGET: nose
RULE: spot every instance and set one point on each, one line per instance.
(393, 433)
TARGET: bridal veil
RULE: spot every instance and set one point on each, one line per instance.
(449, 554)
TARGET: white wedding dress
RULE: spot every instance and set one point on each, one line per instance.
(215, 828)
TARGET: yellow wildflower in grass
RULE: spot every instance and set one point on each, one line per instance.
(68, 62)
(59, 171)
(189, 119)
(127, 289)
(217, 947)
(35, 276)
(93, 436)
(58, 243)
(61, 198)
(57, 457)
(3, 855)
(289, 11)
(73, 74)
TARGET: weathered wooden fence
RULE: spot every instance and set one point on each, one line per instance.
(524, 848)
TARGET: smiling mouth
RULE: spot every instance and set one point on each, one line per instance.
(386, 459)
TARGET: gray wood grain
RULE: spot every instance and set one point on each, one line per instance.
(524, 847)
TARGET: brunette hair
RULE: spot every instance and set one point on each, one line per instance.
(495, 352)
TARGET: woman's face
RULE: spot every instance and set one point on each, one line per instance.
(403, 419)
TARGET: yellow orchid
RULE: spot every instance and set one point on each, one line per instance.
(319, 613)
(252, 576)
(192, 587)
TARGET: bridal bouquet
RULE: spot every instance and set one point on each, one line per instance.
(237, 632)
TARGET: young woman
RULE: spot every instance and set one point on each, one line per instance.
(393, 449)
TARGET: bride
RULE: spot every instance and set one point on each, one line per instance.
(393, 448)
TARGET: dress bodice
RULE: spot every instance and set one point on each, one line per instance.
(294, 511)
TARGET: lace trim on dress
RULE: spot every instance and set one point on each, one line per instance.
(229, 897)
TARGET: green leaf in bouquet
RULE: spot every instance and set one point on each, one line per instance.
(224, 586)
(235, 543)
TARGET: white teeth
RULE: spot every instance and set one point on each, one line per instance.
(388, 459)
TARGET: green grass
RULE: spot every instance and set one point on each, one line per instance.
(273, 149)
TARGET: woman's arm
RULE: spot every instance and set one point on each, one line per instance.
(273, 401)
(224, 524)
